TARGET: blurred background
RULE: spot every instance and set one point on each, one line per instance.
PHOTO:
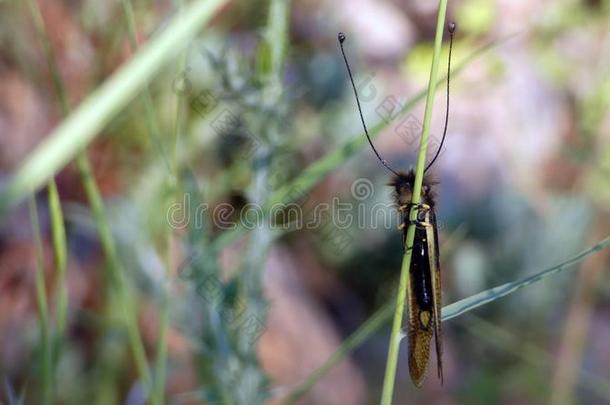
(164, 264)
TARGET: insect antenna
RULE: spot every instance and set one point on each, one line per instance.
(451, 28)
(341, 38)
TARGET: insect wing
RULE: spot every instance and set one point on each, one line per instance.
(435, 272)
(421, 316)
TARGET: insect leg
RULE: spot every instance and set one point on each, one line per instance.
(407, 207)
(417, 223)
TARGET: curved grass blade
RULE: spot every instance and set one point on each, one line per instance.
(86, 122)
(474, 301)
(419, 343)
(383, 315)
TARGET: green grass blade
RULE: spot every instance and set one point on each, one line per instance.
(86, 122)
(60, 249)
(382, 316)
(487, 296)
(276, 42)
(395, 337)
(117, 276)
(153, 127)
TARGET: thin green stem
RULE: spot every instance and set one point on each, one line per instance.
(58, 230)
(395, 337)
(153, 129)
(58, 234)
(160, 365)
(43, 310)
(161, 361)
(117, 278)
(150, 113)
(270, 62)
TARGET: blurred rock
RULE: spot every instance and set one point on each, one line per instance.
(300, 337)
(380, 29)
(17, 300)
(22, 118)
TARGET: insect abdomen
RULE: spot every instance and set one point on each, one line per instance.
(420, 271)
